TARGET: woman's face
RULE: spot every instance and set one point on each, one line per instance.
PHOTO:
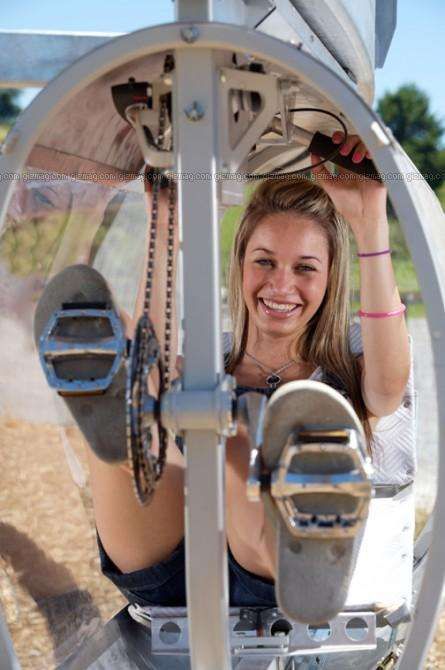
(285, 272)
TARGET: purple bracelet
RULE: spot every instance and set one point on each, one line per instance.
(374, 253)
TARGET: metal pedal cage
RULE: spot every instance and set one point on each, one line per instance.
(54, 348)
(285, 484)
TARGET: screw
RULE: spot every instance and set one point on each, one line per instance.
(194, 112)
(190, 34)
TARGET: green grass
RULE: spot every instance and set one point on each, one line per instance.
(4, 128)
(406, 277)
(441, 195)
(416, 311)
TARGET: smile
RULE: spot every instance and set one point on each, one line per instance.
(282, 309)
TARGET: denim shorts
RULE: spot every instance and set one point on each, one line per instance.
(163, 584)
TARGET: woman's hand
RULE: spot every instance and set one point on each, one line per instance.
(362, 202)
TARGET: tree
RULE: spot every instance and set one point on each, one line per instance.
(407, 112)
(8, 107)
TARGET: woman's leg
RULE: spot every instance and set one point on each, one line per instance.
(250, 536)
(137, 537)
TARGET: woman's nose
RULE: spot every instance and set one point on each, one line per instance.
(283, 280)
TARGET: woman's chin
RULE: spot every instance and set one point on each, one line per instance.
(278, 327)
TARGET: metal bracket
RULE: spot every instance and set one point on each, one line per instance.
(256, 631)
(143, 116)
(201, 409)
(251, 408)
(140, 117)
(249, 101)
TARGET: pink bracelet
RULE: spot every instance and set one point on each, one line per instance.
(382, 315)
(374, 253)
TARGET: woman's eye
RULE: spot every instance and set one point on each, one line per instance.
(306, 268)
(263, 261)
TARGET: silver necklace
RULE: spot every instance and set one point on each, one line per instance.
(273, 379)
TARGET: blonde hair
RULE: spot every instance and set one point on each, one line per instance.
(325, 341)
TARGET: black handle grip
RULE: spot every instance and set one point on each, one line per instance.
(128, 94)
(322, 145)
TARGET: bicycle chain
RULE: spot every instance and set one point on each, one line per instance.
(145, 352)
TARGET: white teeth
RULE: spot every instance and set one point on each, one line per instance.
(279, 307)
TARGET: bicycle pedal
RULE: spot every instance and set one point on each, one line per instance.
(320, 485)
(75, 337)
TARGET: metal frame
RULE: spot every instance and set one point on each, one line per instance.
(203, 349)
(8, 658)
(36, 57)
(197, 80)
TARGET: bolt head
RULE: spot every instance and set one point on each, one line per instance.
(194, 111)
(189, 34)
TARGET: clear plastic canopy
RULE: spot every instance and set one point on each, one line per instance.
(79, 200)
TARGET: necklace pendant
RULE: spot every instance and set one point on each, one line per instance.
(273, 380)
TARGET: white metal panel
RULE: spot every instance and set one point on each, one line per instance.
(347, 29)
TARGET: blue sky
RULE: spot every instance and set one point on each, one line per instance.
(416, 54)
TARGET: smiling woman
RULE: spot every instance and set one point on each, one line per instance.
(282, 277)
(289, 300)
(289, 289)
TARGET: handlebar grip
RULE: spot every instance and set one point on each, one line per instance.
(323, 146)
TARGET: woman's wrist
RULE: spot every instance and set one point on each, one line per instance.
(376, 239)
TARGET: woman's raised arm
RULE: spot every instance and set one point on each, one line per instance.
(386, 358)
